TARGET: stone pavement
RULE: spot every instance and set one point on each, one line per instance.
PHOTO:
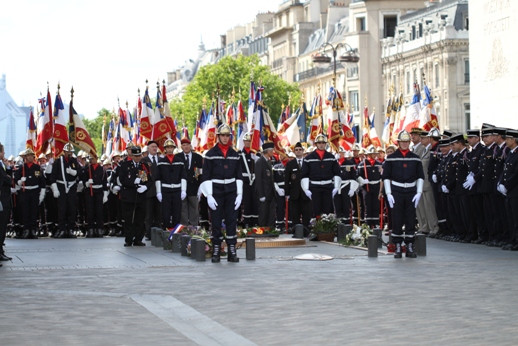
(97, 292)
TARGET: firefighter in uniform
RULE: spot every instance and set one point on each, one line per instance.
(223, 186)
(348, 187)
(299, 203)
(64, 176)
(171, 185)
(369, 176)
(508, 186)
(114, 201)
(321, 177)
(403, 178)
(96, 194)
(248, 159)
(357, 199)
(264, 187)
(32, 193)
(135, 179)
(107, 166)
(280, 200)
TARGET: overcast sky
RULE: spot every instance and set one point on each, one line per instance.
(107, 49)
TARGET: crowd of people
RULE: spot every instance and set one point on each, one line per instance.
(450, 186)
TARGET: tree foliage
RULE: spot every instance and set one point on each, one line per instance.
(233, 74)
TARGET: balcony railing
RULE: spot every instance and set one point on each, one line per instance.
(277, 63)
(315, 72)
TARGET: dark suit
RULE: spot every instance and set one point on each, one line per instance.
(193, 168)
(509, 178)
(265, 189)
(299, 203)
(153, 205)
(5, 198)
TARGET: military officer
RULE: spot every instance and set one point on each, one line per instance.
(502, 228)
(32, 193)
(96, 194)
(299, 203)
(427, 202)
(508, 187)
(135, 179)
(265, 188)
(171, 185)
(369, 176)
(223, 186)
(248, 159)
(403, 182)
(348, 187)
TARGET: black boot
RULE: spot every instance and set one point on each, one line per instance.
(89, 233)
(34, 234)
(216, 254)
(232, 255)
(100, 233)
(62, 234)
(25, 234)
(410, 251)
(397, 253)
(71, 234)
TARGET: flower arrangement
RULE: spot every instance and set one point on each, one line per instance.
(202, 233)
(326, 223)
(256, 231)
(358, 236)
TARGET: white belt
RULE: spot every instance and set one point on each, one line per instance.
(404, 185)
(70, 183)
(172, 186)
(246, 175)
(96, 186)
(32, 187)
(376, 182)
(280, 183)
(223, 181)
(323, 182)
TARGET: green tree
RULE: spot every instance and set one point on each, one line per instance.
(233, 74)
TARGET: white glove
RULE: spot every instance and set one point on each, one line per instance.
(105, 197)
(183, 194)
(13, 190)
(23, 179)
(501, 188)
(42, 196)
(281, 192)
(159, 197)
(199, 194)
(137, 181)
(211, 202)
(335, 191)
(445, 189)
(416, 199)
(142, 188)
(116, 189)
(470, 181)
(20, 183)
(390, 200)
(71, 171)
(239, 198)
(287, 197)
(89, 182)
(351, 192)
(262, 199)
(55, 190)
(365, 181)
(308, 193)
(434, 178)
(80, 186)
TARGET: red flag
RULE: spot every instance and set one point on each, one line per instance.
(78, 133)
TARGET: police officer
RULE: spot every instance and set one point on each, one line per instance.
(321, 177)
(508, 187)
(403, 182)
(265, 189)
(135, 179)
(299, 203)
(32, 193)
(171, 185)
(96, 194)
(223, 186)
(248, 159)
(369, 176)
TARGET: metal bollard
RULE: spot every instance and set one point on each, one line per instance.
(372, 244)
(158, 236)
(298, 231)
(165, 240)
(342, 232)
(377, 233)
(177, 243)
(153, 236)
(185, 240)
(420, 245)
(348, 229)
(193, 247)
(250, 248)
(200, 250)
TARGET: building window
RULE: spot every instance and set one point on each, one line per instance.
(466, 71)
(412, 37)
(360, 24)
(352, 72)
(389, 26)
(466, 23)
(354, 100)
(437, 78)
(408, 82)
(467, 115)
(420, 29)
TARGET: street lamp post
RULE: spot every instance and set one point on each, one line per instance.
(349, 56)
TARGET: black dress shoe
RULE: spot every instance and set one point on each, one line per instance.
(3, 257)
(139, 243)
(127, 244)
(507, 247)
(514, 248)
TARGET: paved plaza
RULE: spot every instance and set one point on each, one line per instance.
(97, 292)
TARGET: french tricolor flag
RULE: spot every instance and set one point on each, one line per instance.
(177, 229)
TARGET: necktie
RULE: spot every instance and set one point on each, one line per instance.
(154, 160)
(300, 164)
(188, 160)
